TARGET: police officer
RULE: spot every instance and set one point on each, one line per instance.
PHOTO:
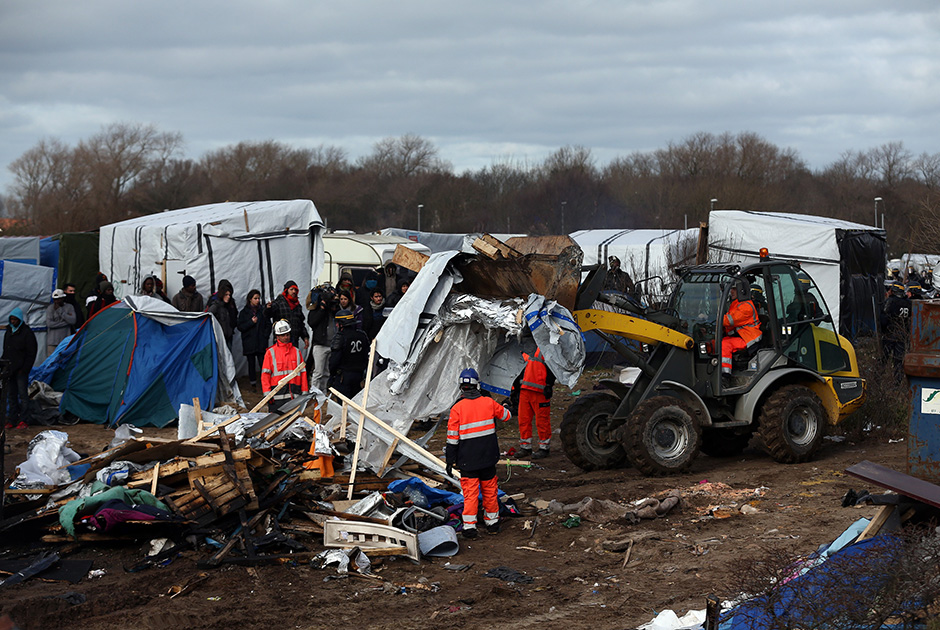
(895, 326)
(349, 355)
(472, 446)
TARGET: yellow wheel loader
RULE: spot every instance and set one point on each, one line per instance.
(787, 387)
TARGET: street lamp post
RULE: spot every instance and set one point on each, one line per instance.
(712, 204)
(877, 199)
(563, 204)
(420, 205)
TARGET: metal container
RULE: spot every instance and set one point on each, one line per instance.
(922, 365)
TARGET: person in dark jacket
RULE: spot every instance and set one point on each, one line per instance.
(472, 446)
(322, 305)
(349, 355)
(286, 306)
(396, 297)
(219, 306)
(70, 298)
(375, 314)
(369, 284)
(256, 333)
(105, 298)
(19, 354)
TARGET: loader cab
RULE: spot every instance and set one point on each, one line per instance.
(796, 326)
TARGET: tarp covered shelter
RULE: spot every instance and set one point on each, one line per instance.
(74, 256)
(440, 242)
(255, 245)
(21, 249)
(642, 253)
(28, 286)
(137, 361)
(845, 259)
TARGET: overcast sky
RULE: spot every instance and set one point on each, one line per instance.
(485, 81)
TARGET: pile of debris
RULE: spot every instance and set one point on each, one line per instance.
(249, 490)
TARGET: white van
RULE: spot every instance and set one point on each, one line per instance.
(360, 253)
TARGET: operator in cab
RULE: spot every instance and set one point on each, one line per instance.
(741, 326)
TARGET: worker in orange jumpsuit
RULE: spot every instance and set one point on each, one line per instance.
(741, 325)
(472, 447)
(535, 400)
(280, 360)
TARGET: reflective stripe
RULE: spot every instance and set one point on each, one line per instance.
(469, 522)
(544, 443)
(490, 518)
(535, 385)
(526, 443)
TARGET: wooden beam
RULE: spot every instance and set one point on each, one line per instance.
(365, 397)
(409, 258)
(198, 415)
(156, 478)
(200, 436)
(875, 525)
(280, 384)
(393, 431)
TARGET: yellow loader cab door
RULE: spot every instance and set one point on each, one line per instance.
(807, 337)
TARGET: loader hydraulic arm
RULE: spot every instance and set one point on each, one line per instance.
(631, 327)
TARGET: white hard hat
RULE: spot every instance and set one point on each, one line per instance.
(281, 327)
(58, 294)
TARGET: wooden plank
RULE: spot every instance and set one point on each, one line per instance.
(29, 490)
(365, 396)
(409, 258)
(388, 457)
(393, 431)
(280, 384)
(198, 411)
(200, 436)
(241, 454)
(156, 478)
(898, 482)
(875, 525)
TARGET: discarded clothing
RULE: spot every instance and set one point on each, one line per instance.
(101, 494)
(509, 575)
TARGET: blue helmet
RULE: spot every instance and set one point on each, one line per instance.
(469, 377)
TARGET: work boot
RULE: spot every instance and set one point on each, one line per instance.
(542, 453)
(493, 529)
(523, 452)
(469, 533)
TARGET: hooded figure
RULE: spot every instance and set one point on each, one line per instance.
(105, 298)
(19, 354)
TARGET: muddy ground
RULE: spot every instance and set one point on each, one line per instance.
(675, 561)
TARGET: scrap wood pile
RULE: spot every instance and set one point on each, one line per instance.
(257, 499)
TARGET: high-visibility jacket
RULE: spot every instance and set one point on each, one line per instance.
(471, 432)
(535, 376)
(741, 319)
(280, 360)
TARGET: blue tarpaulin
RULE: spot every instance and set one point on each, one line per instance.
(126, 366)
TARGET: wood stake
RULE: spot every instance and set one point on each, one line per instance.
(198, 411)
(284, 381)
(365, 397)
(211, 430)
(156, 478)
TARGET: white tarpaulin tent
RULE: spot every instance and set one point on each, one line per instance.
(29, 287)
(642, 253)
(438, 242)
(845, 259)
(255, 245)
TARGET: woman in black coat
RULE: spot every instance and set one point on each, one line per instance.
(256, 332)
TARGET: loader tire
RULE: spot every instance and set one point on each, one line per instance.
(723, 442)
(662, 436)
(792, 424)
(583, 428)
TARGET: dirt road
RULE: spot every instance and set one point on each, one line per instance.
(675, 560)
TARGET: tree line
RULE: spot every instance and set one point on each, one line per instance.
(128, 170)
